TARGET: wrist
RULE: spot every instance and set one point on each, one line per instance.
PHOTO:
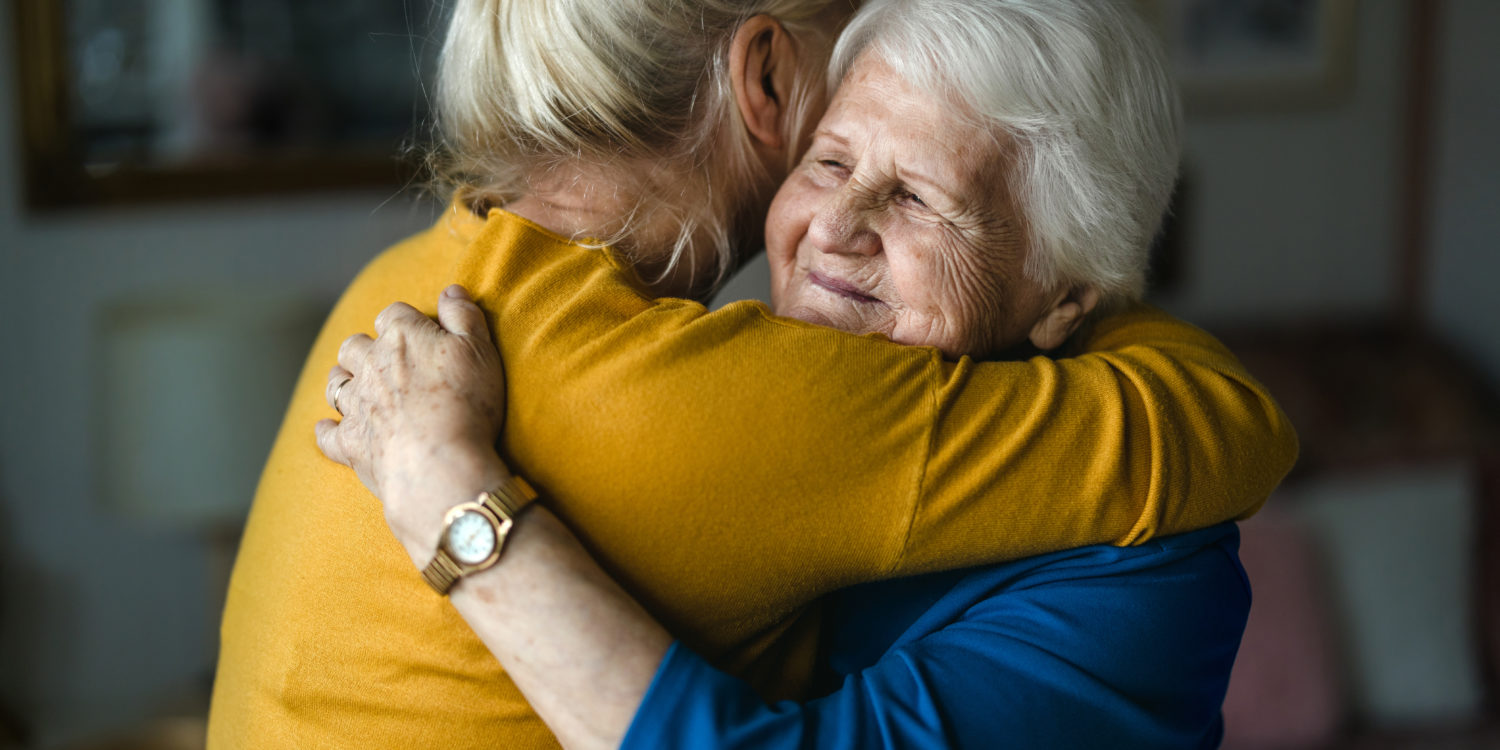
(537, 540)
(475, 533)
(417, 499)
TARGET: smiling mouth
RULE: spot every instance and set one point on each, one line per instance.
(841, 288)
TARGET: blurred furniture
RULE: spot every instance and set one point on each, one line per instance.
(1376, 567)
(193, 383)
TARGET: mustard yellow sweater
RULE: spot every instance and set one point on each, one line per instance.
(727, 467)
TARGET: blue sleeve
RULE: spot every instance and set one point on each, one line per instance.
(1119, 660)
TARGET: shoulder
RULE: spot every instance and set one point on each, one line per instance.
(413, 271)
(1140, 323)
(431, 252)
(1155, 601)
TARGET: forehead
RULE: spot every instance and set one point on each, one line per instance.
(876, 108)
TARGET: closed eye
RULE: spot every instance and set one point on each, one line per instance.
(906, 196)
(834, 165)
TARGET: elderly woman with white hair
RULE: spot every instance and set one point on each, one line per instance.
(987, 178)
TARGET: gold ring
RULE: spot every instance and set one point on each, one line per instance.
(337, 389)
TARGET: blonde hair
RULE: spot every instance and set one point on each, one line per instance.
(525, 86)
(1083, 89)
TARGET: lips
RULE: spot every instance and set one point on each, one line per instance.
(840, 287)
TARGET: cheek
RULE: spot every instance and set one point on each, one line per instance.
(953, 292)
(932, 275)
(982, 287)
(785, 227)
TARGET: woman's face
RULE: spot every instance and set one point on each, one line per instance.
(897, 221)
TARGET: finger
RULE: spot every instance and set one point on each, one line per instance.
(458, 314)
(327, 432)
(336, 378)
(400, 314)
(354, 351)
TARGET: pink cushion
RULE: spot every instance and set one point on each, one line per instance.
(1284, 691)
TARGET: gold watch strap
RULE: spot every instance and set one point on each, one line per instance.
(506, 501)
(510, 498)
(442, 572)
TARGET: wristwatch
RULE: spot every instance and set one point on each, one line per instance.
(474, 533)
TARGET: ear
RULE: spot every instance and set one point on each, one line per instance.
(1068, 311)
(762, 68)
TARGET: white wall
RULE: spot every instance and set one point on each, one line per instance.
(102, 617)
(1465, 250)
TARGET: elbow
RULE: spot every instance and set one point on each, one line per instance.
(1285, 445)
(1278, 439)
(1286, 439)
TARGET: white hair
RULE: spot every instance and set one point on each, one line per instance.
(527, 85)
(1082, 89)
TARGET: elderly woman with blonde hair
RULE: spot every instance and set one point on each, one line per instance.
(987, 178)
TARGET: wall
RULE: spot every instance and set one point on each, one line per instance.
(103, 618)
(1295, 213)
(1465, 209)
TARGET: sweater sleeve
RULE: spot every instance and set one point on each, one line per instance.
(685, 445)
(1094, 658)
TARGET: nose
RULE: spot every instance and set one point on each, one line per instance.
(843, 224)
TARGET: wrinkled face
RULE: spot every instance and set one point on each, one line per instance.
(898, 221)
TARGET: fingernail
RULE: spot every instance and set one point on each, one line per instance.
(456, 292)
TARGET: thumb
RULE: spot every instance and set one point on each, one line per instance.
(328, 441)
(458, 314)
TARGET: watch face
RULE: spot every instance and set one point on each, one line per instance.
(471, 538)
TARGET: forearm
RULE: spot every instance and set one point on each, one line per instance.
(916, 442)
(580, 648)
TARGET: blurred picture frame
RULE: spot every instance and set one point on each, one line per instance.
(147, 101)
(1247, 55)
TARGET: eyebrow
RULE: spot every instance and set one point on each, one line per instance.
(829, 134)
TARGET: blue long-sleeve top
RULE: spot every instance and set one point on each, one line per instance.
(1097, 647)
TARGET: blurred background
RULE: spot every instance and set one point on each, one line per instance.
(186, 185)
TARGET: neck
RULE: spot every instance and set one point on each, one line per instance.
(585, 201)
(573, 201)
